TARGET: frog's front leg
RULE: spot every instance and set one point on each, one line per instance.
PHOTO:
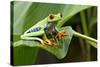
(60, 34)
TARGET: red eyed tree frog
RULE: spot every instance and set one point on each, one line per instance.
(44, 27)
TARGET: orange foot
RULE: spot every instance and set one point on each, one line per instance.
(50, 42)
(61, 34)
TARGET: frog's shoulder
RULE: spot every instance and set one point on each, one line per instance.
(35, 29)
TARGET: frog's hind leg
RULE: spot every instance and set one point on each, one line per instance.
(50, 42)
(33, 38)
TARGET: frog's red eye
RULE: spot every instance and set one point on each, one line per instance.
(51, 17)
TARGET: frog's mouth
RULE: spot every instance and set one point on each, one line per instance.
(54, 20)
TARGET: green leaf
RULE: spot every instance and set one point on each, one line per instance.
(59, 51)
(24, 55)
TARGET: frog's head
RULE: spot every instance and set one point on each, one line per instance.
(54, 17)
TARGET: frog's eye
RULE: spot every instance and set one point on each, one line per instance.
(51, 16)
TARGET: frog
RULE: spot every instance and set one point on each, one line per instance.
(43, 28)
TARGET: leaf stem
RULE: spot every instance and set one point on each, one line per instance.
(85, 31)
(85, 37)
